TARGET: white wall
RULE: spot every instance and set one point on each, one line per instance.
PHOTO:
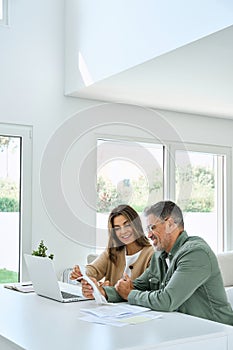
(71, 176)
(107, 37)
(31, 93)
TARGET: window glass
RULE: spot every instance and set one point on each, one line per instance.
(4, 12)
(194, 176)
(1, 10)
(15, 200)
(10, 158)
(127, 173)
(199, 193)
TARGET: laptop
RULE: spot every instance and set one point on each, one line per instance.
(43, 276)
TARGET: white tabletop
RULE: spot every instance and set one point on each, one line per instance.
(31, 322)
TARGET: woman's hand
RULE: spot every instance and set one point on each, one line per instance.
(76, 273)
(87, 289)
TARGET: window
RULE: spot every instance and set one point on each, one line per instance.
(15, 200)
(10, 155)
(4, 12)
(127, 172)
(1, 10)
(141, 173)
(200, 191)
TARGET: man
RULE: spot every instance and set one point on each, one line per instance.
(191, 283)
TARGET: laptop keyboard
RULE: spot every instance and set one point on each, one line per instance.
(66, 295)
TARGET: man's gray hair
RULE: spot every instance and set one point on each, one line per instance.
(164, 210)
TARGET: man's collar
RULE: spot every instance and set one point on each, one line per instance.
(178, 243)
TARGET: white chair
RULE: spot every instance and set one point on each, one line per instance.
(225, 261)
(91, 257)
(66, 273)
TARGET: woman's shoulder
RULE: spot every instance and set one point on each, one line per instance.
(148, 250)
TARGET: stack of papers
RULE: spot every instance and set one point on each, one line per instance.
(119, 314)
(24, 287)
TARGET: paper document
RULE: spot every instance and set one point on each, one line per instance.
(24, 287)
(99, 298)
(118, 315)
(116, 310)
(139, 318)
(107, 321)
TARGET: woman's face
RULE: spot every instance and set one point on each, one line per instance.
(123, 229)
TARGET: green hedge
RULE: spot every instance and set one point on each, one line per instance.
(9, 196)
(9, 205)
(7, 276)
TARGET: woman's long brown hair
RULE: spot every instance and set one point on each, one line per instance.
(114, 244)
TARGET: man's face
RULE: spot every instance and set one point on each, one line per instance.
(157, 232)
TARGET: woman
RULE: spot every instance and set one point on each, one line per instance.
(129, 250)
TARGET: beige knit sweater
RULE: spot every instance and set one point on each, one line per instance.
(103, 267)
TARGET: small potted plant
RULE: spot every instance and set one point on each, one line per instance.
(41, 251)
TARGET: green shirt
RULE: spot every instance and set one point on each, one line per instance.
(192, 284)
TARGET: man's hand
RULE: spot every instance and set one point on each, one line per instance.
(76, 273)
(124, 286)
(87, 289)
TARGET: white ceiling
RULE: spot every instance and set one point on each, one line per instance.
(196, 78)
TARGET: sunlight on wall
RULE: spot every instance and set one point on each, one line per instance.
(85, 74)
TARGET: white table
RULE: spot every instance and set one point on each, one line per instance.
(30, 322)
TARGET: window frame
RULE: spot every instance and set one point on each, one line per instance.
(169, 182)
(227, 241)
(25, 220)
(5, 13)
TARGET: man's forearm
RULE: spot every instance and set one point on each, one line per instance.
(111, 295)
